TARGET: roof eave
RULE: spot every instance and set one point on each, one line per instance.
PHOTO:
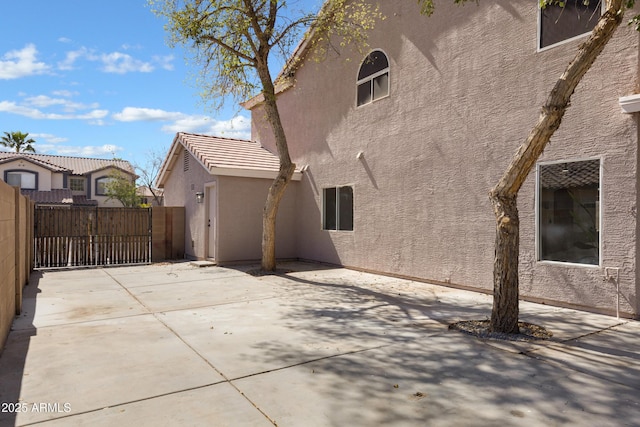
(250, 173)
(168, 163)
(281, 86)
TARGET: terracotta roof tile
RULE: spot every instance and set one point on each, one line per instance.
(75, 165)
(229, 153)
(53, 197)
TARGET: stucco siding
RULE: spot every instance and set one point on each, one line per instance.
(466, 86)
(238, 216)
(180, 190)
(240, 205)
(44, 178)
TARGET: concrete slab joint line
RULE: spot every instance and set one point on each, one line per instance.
(180, 345)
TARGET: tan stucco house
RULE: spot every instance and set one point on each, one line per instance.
(399, 150)
(62, 180)
(222, 184)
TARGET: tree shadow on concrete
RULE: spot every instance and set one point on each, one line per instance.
(401, 365)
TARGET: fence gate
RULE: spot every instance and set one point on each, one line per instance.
(86, 236)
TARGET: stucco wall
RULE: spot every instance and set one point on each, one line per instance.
(466, 86)
(240, 205)
(180, 190)
(44, 175)
(16, 225)
(239, 213)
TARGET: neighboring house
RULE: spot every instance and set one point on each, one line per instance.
(61, 180)
(400, 150)
(152, 197)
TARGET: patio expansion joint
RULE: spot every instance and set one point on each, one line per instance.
(559, 345)
(117, 405)
(226, 379)
(197, 307)
(306, 362)
(579, 337)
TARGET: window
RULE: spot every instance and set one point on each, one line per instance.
(24, 180)
(576, 18)
(373, 78)
(76, 184)
(101, 185)
(569, 212)
(338, 208)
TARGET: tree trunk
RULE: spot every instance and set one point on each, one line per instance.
(504, 315)
(285, 172)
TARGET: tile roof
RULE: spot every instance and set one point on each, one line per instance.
(58, 197)
(74, 165)
(219, 152)
(53, 197)
(223, 156)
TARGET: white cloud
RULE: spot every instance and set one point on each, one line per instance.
(107, 150)
(128, 46)
(71, 57)
(122, 63)
(116, 62)
(164, 62)
(43, 101)
(36, 113)
(21, 63)
(65, 93)
(47, 137)
(237, 127)
(135, 114)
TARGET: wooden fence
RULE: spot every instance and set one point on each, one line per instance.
(91, 236)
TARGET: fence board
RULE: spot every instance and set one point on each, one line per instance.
(84, 236)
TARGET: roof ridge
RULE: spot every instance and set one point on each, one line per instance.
(66, 157)
(218, 137)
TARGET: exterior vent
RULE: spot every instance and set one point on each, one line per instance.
(185, 166)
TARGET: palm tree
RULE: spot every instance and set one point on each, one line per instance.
(18, 141)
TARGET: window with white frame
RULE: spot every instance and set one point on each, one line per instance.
(23, 179)
(559, 23)
(338, 208)
(569, 212)
(373, 78)
(76, 184)
(101, 185)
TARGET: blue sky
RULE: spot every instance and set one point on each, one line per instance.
(95, 78)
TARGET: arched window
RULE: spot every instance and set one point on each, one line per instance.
(373, 78)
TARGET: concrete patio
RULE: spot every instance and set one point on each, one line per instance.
(178, 345)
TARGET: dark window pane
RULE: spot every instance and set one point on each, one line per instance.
(364, 93)
(346, 208)
(375, 62)
(381, 86)
(13, 179)
(101, 186)
(76, 184)
(24, 180)
(558, 24)
(330, 209)
(569, 204)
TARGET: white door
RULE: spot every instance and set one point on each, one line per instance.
(212, 213)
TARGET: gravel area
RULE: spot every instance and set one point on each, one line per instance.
(480, 329)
